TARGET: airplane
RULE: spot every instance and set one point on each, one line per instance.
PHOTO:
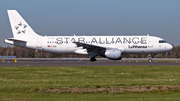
(111, 47)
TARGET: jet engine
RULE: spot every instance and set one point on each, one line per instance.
(113, 54)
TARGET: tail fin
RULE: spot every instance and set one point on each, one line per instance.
(19, 26)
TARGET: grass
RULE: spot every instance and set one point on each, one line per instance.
(89, 97)
(79, 76)
(33, 82)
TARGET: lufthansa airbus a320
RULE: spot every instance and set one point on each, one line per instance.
(111, 47)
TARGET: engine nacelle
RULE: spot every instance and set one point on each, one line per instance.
(113, 54)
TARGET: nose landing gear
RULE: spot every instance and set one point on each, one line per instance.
(149, 58)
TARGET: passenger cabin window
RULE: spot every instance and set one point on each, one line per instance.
(162, 41)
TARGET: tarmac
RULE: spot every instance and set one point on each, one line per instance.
(83, 62)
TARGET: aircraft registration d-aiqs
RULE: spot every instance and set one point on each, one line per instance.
(111, 47)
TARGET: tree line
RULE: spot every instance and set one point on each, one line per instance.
(20, 52)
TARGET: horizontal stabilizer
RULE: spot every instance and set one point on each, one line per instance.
(14, 39)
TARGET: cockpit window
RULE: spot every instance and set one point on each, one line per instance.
(162, 41)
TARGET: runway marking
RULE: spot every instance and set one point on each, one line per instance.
(80, 60)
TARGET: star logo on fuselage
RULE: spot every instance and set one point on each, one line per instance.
(21, 28)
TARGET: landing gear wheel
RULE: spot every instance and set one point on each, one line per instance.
(93, 59)
(150, 60)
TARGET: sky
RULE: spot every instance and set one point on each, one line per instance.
(95, 17)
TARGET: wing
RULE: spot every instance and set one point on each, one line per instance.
(91, 49)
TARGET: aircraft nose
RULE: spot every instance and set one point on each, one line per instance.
(170, 47)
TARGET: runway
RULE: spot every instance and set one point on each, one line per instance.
(85, 62)
(70, 63)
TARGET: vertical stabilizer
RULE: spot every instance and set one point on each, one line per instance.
(19, 26)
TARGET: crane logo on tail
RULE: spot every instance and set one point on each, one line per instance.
(21, 28)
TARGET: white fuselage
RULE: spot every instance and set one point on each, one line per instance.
(127, 44)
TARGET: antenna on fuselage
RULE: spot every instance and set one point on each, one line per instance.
(74, 34)
(147, 34)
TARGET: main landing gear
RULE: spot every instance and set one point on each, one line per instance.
(93, 59)
(150, 59)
